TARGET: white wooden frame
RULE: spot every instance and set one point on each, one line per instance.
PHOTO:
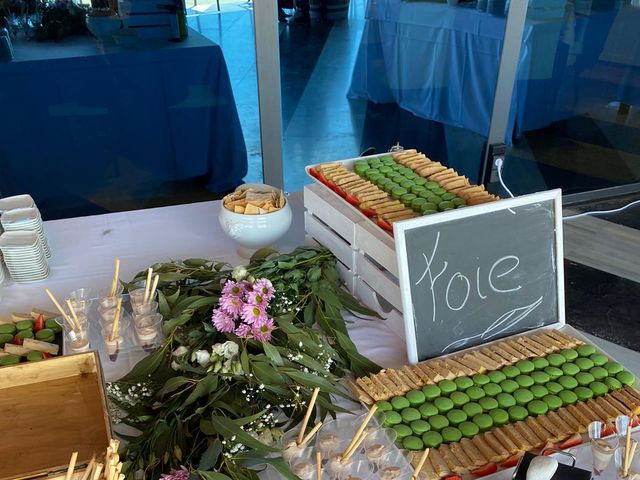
(400, 228)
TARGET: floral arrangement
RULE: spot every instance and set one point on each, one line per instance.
(245, 349)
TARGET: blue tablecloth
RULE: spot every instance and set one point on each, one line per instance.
(78, 115)
(441, 63)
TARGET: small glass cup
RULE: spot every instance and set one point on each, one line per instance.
(622, 423)
(148, 330)
(80, 299)
(378, 444)
(602, 449)
(334, 436)
(112, 346)
(76, 341)
(303, 464)
(144, 308)
(359, 469)
(395, 466)
(634, 466)
(289, 444)
(137, 296)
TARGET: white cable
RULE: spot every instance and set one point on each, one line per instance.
(500, 164)
(600, 212)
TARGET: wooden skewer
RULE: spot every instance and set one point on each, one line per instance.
(310, 435)
(318, 465)
(364, 424)
(356, 446)
(72, 466)
(116, 276)
(116, 322)
(153, 288)
(97, 472)
(629, 457)
(307, 416)
(627, 449)
(73, 315)
(423, 459)
(147, 285)
(60, 309)
(90, 465)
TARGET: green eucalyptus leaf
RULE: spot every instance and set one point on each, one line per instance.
(246, 420)
(145, 367)
(227, 428)
(204, 387)
(172, 384)
(163, 305)
(244, 361)
(262, 254)
(310, 380)
(173, 298)
(267, 375)
(254, 461)
(206, 427)
(209, 457)
(212, 475)
(196, 262)
(171, 324)
(170, 277)
(272, 353)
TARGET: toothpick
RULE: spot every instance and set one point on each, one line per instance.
(90, 465)
(147, 285)
(153, 289)
(116, 322)
(318, 465)
(307, 416)
(423, 459)
(60, 309)
(97, 472)
(73, 314)
(72, 466)
(310, 435)
(349, 453)
(366, 420)
(116, 276)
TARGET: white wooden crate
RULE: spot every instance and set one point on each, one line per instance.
(374, 300)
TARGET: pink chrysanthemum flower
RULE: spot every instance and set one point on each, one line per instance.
(182, 474)
(257, 299)
(265, 288)
(231, 304)
(253, 313)
(243, 331)
(223, 321)
(237, 289)
(262, 330)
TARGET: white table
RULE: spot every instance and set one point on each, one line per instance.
(84, 250)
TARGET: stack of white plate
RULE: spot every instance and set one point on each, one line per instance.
(25, 219)
(17, 201)
(24, 256)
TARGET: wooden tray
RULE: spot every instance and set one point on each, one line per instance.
(49, 410)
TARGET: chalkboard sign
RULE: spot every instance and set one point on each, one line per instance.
(481, 273)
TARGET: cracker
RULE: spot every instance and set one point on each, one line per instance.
(529, 434)
(461, 455)
(498, 437)
(452, 461)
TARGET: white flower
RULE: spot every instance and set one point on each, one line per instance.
(175, 365)
(181, 350)
(226, 350)
(239, 273)
(203, 357)
(266, 437)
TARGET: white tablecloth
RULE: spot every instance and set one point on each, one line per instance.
(84, 250)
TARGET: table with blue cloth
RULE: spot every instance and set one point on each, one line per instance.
(441, 62)
(78, 114)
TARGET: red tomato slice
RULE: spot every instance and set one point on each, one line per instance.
(384, 225)
(39, 323)
(635, 422)
(453, 477)
(339, 191)
(16, 340)
(572, 441)
(609, 429)
(548, 445)
(46, 355)
(314, 173)
(488, 469)
(512, 461)
(369, 212)
(352, 200)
